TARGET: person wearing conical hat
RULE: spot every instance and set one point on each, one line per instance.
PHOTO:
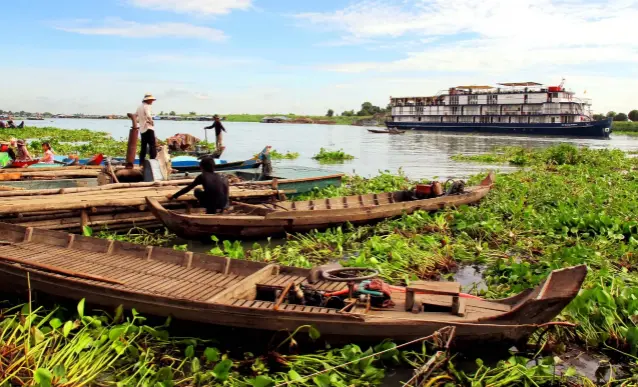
(147, 129)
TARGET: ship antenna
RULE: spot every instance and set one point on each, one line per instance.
(562, 82)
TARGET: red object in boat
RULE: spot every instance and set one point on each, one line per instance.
(22, 164)
(424, 188)
(96, 160)
(4, 147)
(554, 88)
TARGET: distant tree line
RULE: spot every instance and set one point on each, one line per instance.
(22, 113)
(620, 117)
(367, 109)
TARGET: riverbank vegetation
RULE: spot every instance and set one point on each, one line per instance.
(283, 156)
(332, 156)
(83, 142)
(569, 206)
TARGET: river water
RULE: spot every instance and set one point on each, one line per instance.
(419, 154)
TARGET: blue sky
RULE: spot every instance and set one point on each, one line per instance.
(266, 56)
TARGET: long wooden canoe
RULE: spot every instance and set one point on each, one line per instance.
(264, 220)
(393, 131)
(238, 293)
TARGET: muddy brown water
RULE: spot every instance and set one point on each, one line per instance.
(421, 155)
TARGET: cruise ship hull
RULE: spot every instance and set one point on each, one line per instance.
(600, 129)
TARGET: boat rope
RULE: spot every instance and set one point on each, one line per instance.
(449, 330)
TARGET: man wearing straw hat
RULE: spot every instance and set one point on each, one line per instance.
(147, 130)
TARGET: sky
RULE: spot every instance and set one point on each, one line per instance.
(305, 57)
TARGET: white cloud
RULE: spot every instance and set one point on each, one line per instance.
(487, 36)
(206, 61)
(131, 29)
(199, 7)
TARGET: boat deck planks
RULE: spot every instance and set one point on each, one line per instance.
(116, 197)
(151, 277)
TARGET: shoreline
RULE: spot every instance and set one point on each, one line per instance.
(257, 118)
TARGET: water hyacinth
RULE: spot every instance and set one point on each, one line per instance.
(330, 156)
(567, 206)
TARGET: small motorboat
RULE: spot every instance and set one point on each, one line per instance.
(389, 131)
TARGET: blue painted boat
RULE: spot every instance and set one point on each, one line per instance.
(190, 163)
(601, 128)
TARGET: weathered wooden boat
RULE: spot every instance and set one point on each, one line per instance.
(246, 294)
(245, 220)
(293, 180)
(389, 131)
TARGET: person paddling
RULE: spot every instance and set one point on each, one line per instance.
(147, 129)
(23, 153)
(217, 125)
(214, 197)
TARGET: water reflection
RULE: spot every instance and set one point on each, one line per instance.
(420, 154)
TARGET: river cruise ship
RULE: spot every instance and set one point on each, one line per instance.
(519, 107)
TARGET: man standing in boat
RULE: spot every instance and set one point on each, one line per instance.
(217, 125)
(214, 197)
(147, 129)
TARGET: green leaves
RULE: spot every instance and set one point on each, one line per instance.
(328, 156)
(222, 369)
(68, 326)
(55, 323)
(189, 352)
(211, 354)
(43, 377)
(314, 333)
(81, 308)
(195, 365)
(262, 381)
(87, 231)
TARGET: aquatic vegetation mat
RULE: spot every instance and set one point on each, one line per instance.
(332, 156)
(568, 206)
(82, 142)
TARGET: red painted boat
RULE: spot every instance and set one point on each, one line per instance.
(23, 164)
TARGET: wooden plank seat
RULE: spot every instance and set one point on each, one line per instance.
(281, 280)
(434, 288)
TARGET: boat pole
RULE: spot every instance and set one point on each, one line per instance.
(132, 141)
(129, 173)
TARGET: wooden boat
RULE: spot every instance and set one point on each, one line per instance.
(22, 164)
(265, 220)
(190, 163)
(246, 294)
(390, 131)
(292, 179)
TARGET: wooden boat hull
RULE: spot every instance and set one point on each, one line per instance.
(287, 179)
(222, 291)
(289, 217)
(386, 131)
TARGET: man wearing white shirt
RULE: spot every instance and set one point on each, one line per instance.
(147, 130)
